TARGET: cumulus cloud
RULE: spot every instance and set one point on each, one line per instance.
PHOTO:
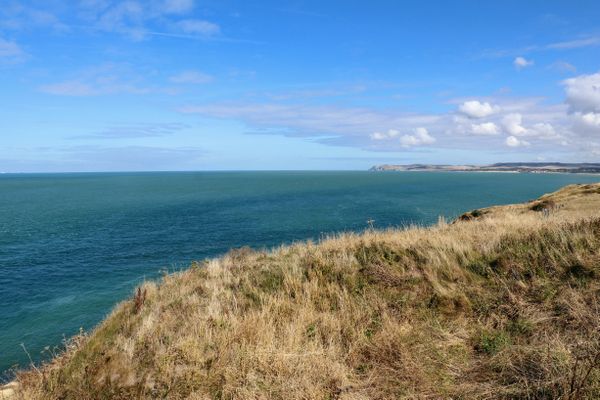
(521, 63)
(512, 141)
(591, 119)
(587, 123)
(477, 109)
(192, 77)
(512, 124)
(420, 137)
(543, 130)
(583, 93)
(392, 133)
(583, 99)
(485, 128)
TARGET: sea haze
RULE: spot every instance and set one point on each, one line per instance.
(73, 245)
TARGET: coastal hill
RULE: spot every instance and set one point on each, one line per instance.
(501, 303)
(535, 167)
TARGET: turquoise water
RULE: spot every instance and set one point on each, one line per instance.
(73, 245)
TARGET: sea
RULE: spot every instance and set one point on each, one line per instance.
(73, 245)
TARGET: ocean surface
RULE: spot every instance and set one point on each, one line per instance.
(73, 245)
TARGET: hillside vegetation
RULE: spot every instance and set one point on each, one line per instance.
(501, 304)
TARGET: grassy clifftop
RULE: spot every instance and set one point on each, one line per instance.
(503, 303)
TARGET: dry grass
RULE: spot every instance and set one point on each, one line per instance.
(503, 305)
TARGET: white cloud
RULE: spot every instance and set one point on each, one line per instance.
(512, 141)
(521, 63)
(587, 123)
(486, 128)
(543, 130)
(192, 77)
(477, 109)
(583, 93)
(392, 133)
(314, 121)
(513, 124)
(541, 126)
(420, 137)
(368, 128)
(199, 27)
(591, 119)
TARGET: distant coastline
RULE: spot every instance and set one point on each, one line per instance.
(525, 167)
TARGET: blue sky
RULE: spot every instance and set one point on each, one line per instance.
(106, 85)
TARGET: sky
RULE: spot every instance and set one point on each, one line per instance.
(108, 85)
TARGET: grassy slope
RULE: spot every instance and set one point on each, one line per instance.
(501, 305)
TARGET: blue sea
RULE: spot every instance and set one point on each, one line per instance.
(74, 245)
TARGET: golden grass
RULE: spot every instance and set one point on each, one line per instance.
(502, 305)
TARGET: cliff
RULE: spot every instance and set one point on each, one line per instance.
(502, 303)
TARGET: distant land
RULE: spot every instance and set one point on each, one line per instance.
(532, 167)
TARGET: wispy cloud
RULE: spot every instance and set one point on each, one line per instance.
(136, 130)
(587, 41)
(99, 86)
(317, 92)
(198, 27)
(11, 52)
(575, 44)
(17, 16)
(191, 77)
(563, 66)
(178, 6)
(105, 79)
(139, 20)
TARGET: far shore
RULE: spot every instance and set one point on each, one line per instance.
(525, 167)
